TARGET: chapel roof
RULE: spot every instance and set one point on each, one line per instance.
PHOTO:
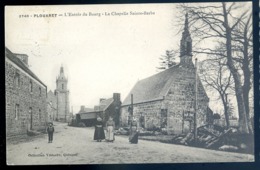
(152, 88)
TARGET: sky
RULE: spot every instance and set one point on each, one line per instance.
(101, 55)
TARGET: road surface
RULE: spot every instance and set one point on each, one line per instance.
(74, 145)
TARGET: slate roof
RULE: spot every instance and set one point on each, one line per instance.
(11, 56)
(86, 110)
(104, 104)
(154, 87)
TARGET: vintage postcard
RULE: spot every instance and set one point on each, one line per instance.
(129, 83)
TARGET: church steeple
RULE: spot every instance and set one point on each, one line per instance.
(61, 69)
(61, 81)
(186, 43)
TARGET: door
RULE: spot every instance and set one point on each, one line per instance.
(163, 118)
(30, 119)
(186, 126)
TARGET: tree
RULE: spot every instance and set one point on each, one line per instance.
(168, 60)
(243, 47)
(216, 76)
(218, 23)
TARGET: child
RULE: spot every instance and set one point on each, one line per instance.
(50, 131)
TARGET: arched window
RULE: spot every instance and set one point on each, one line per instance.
(30, 118)
(17, 80)
(31, 86)
(40, 115)
(40, 91)
(16, 114)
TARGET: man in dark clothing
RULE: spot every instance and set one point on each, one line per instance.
(50, 131)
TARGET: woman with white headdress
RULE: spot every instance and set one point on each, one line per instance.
(110, 125)
(99, 130)
(133, 138)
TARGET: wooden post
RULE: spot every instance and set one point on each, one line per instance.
(196, 103)
(131, 112)
(183, 121)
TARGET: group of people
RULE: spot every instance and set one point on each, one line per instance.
(99, 133)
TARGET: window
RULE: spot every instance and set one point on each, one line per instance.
(40, 91)
(17, 80)
(30, 118)
(188, 47)
(62, 86)
(40, 115)
(163, 118)
(16, 114)
(31, 86)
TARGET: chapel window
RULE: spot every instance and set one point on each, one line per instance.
(31, 86)
(16, 114)
(40, 91)
(17, 80)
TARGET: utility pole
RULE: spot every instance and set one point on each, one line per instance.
(131, 111)
(196, 103)
(57, 117)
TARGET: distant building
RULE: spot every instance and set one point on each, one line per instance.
(62, 96)
(87, 116)
(51, 110)
(167, 99)
(106, 108)
(25, 93)
(52, 105)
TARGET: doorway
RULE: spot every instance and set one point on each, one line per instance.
(186, 126)
(30, 119)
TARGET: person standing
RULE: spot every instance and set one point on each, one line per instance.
(133, 138)
(50, 130)
(99, 134)
(110, 125)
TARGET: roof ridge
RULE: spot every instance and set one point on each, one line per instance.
(166, 70)
(20, 64)
(152, 87)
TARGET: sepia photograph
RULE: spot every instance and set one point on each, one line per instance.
(129, 83)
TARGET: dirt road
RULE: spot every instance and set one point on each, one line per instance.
(73, 145)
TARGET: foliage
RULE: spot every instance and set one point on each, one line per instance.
(168, 60)
(228, 26)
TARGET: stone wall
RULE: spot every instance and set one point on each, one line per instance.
(52, 103)
(180, 100)
(51, 112)
(63, 106)
(19, 95)
(151, 112)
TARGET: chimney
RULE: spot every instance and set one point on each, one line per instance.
(82, 108)
(101, 99)
(116, 97)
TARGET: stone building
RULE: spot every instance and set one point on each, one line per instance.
(87, 116)
(167, 99)
(107, 107)
(110, 107)
(51, 110)
(52, 105)
(25, 96)
(62, 96)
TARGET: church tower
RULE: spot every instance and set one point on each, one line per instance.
(62, 94)
(186, 44)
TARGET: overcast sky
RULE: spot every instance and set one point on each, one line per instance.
(100, 55)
